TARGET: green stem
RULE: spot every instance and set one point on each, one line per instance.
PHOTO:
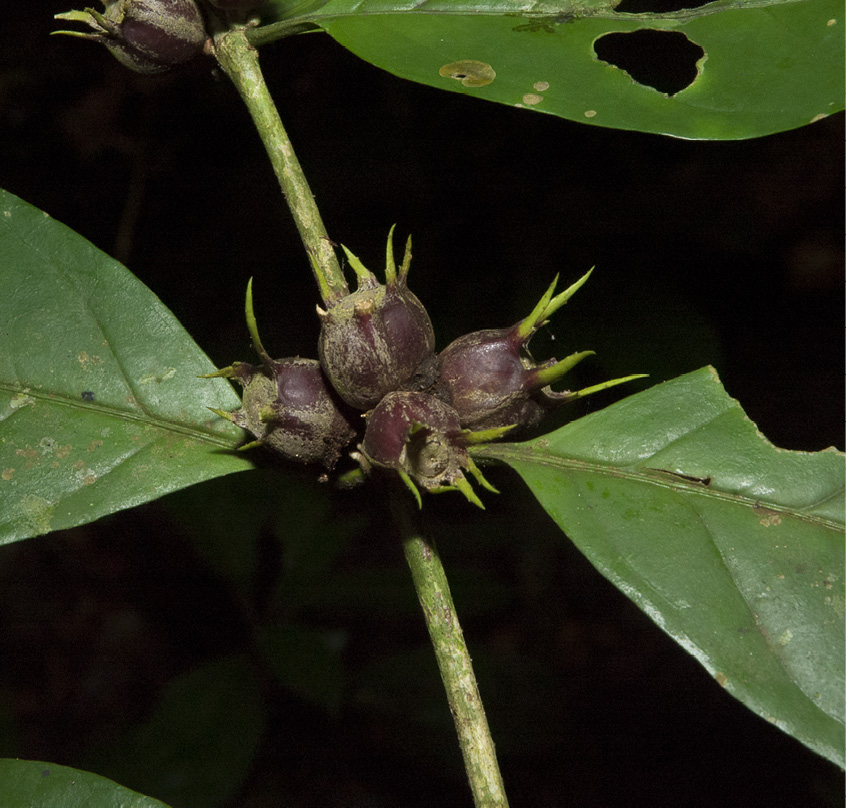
(240, 61)
(465, 703)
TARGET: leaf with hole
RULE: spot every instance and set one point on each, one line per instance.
(28, 783)
(727, 70)
(732, 546)
(100, 405)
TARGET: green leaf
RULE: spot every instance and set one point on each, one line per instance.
(100, 405)
(767, 65)
(28, 783)
(732, 546)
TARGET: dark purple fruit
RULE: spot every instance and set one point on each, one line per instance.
(289, 406)
(147, 36)
(421, 439)
(377, 339)
(491, 380)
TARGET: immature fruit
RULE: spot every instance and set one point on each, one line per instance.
(289, 406)
(147, 36)
(420, 438)
(491, 380)
(377, 339)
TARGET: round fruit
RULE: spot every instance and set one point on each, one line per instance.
(377, 339)
(491, 380)
(147, 36)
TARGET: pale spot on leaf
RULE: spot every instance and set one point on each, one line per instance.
(469, 72)
(530, 99)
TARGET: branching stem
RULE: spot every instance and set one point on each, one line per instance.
(454, 663)
(239, 59)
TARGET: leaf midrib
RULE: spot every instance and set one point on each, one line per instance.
(162, 424)
(505, 452)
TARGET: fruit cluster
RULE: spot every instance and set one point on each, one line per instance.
(421, 410)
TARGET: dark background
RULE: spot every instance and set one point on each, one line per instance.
(721, 253)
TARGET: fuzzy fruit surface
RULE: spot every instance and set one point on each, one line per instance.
(420, 435)
(291, 409)
(490, 380)
(375, 341)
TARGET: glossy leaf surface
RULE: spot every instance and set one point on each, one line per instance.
(764, 66)
(28, 783)
(732, 546)
(100, 405)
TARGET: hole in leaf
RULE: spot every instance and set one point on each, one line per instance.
(665, 60)
(657, 6)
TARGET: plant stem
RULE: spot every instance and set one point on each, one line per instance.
(465, 703)
(240, 61)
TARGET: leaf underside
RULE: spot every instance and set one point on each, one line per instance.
(732, 546)
(764, 66)
(100, 405)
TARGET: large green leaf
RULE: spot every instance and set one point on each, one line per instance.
(768, 65)
(732, 546)
(32, 784)
(100, 405)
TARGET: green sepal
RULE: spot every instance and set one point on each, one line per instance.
(79, 35)
(559, 300)
(477, 473)
(470, 438)
(406, 261)
(223, 413)
(527, 327)
(73, 16)
(461, 484)
(409, 484)
(366, 279)
(548, 305)
(252, 326)
(351, 479)
(390, 264)
(229, 372)
(544, 376)
(603, 386)
(251, 445)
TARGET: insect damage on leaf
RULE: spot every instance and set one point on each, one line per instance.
(667, 61)
(469, 72)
